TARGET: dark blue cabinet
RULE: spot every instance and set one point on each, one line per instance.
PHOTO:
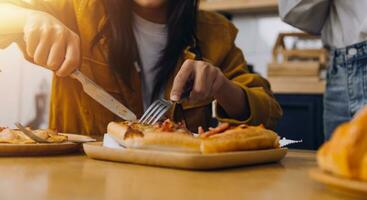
(302, 119)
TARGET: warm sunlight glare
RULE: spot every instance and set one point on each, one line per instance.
(20, 81)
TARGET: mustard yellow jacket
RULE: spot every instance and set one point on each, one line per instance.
(72, 110)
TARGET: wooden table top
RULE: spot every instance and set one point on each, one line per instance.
(78, 177)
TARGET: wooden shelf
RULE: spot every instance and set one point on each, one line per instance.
(240, 6)
(297, 85)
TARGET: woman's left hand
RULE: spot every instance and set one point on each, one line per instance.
(207, 81)
(210, 82)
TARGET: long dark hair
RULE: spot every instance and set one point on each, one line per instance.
(181, 24)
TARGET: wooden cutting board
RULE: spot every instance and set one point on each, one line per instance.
(38, 149)
(95, 150)
(71, 146)
(78, 138)
(349, 186)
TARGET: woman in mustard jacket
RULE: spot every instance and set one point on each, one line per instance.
(138, 51)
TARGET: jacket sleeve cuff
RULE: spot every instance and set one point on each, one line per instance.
(256, 104)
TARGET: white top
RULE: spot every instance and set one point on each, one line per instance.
(151, 40)
(340, 22)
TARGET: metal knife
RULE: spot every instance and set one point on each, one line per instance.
(104, 98)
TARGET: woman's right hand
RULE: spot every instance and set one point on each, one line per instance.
(51, 44)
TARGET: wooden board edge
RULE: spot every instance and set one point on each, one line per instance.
(186, 161)
(10, 150)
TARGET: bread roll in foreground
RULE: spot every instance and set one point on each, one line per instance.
(345, 154)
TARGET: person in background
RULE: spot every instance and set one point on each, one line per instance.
(343, 27)
(137, 50)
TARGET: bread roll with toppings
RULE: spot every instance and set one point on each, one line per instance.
(138, 136)
(169, 136)
(14, 136)
(239, 139)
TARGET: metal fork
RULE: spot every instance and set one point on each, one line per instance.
(159, 107)
(156, 111)
(30, 134)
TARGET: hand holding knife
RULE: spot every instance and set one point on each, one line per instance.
(104, 98)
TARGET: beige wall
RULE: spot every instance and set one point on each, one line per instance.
(19, 82)
(257, 35)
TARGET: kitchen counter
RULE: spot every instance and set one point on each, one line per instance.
(240, 6)
(78, 177)
(297, 85)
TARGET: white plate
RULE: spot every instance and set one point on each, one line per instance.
(350, 186)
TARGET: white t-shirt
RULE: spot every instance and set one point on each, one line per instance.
(151, 40)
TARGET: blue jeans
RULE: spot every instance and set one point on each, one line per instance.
(346, 90)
